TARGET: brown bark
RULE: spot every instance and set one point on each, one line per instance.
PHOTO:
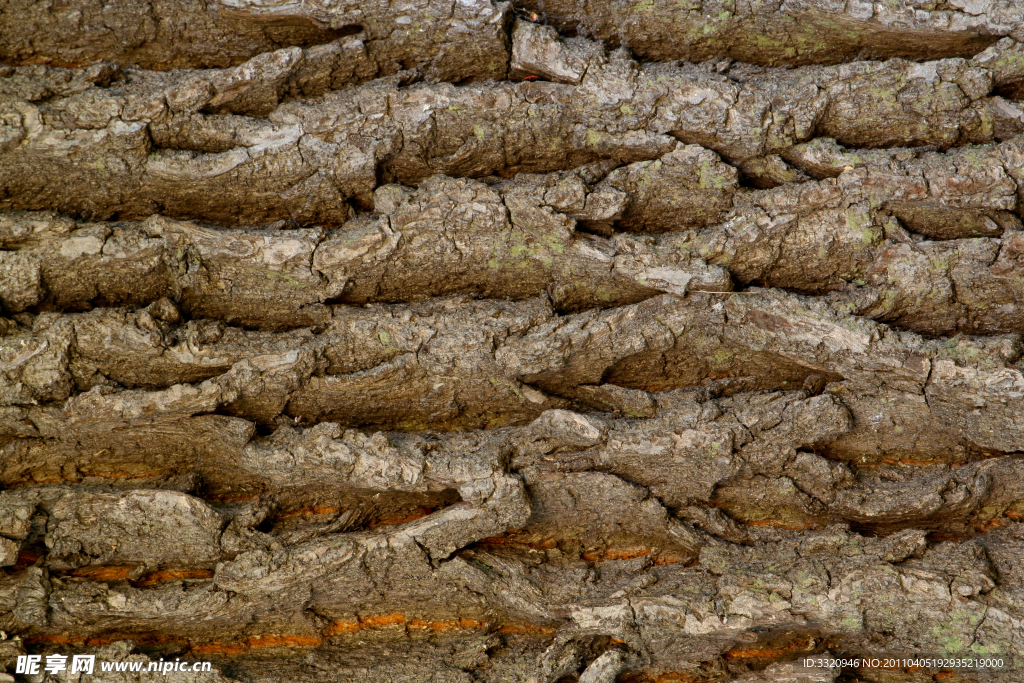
(444, 40)
(380, 343)
(143, 145)
(787, 32)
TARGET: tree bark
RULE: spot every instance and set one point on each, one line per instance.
(142, 145)
(379, 343)
(444, 40)
(797, 32)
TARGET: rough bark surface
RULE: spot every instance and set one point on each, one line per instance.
(512, 342)
(345, 43)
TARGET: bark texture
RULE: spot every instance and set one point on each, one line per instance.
(344, 43)
(789, 31)
(512, 342)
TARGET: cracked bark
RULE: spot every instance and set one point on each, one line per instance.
(145, 141)
(749, 341)
(788, 31)
(357, 342)
(447, 41)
